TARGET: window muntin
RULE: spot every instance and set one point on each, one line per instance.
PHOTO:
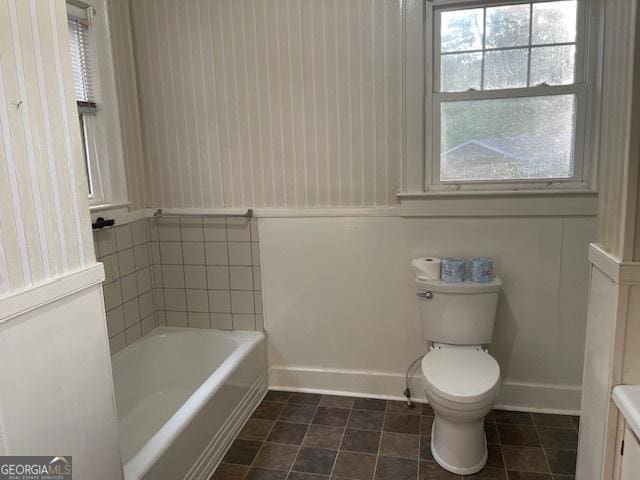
(507, 102)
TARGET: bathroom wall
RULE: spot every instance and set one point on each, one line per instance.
(190, 271)
(55, 382)
(44, 229)
(341, 312)
(287, 103)
(613, 322)
(298, 104)
(618, 188)
(124, 66)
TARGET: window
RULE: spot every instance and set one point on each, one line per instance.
(505, 97)
(84, 77)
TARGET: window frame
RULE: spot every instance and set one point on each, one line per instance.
(85, 13)
(102, 135)
(422, 119)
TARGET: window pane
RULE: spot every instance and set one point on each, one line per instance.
(461, 30)
(85, 152)
(460, 72)
(554, 22)
(554, 65)
(507, 26)
(507, 138)
(505, 69)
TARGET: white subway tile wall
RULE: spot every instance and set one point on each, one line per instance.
(207, 271)
(189, 271)
(128, 286)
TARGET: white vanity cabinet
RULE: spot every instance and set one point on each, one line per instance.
(627, 399)
(630, 461)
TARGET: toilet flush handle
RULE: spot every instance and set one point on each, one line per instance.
(427, 295)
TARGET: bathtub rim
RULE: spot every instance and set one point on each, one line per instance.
(160, 441)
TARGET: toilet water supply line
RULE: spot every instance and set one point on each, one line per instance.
(407, 390)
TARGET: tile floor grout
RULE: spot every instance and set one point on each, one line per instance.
(383, 415)
(344, 431)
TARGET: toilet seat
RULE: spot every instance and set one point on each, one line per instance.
(461, 375)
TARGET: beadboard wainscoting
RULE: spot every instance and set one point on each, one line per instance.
(342, 315)
(180, 271)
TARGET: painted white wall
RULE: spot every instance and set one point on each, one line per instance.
(341, 313)
(611, 358)
(596, 426)
(56, 391)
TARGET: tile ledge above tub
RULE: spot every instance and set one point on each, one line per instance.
(120, 213)
(627, 399)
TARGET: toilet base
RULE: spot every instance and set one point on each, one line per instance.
(459, 448)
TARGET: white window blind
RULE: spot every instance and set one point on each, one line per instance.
(83, 67)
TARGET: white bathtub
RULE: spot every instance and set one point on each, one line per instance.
(182, 395)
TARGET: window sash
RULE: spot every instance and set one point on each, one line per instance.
(578, 76)
(434, 99)
(579, 91)
(85, 75)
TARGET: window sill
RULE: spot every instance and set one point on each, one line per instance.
(512, 203)
(109, 206)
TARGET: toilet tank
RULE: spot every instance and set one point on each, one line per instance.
(458, 313)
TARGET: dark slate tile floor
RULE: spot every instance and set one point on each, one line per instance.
(303, 436)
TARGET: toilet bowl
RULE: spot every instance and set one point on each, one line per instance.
(461, 384)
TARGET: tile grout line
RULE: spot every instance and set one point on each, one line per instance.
(270, 430)
(504, 463)
(206, 278)
(184, 275)
(384, 420)
(544, 452)
(344, 431)
(253, 295)
(305, 434)
(300, 446)
(226, 236)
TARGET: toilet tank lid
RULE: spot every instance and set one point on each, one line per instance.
(464, 287)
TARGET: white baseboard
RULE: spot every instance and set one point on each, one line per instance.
(513, 396)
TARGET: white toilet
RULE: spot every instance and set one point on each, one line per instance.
(460, 378)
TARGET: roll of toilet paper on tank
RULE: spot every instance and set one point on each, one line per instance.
(481, 269)
(427, 268)
(452, 270)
